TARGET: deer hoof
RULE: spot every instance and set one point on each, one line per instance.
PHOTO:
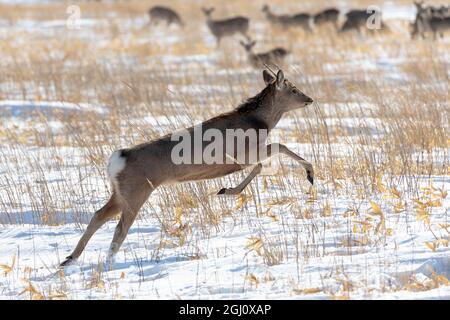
(67, 262)
(310, 179)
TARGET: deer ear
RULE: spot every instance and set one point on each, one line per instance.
(280, 78)
(268, 78)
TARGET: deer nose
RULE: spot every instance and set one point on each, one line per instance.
(309, 100)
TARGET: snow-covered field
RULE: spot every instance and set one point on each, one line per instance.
(375, 226)
(321, 257)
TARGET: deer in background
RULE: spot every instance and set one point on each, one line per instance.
(358, 20)
(301, 20)
(226, 27)
(355, 20)
(430, 19)
(136, 172)
(163, 14)
(439, 25)
(282, 19)
(272, 57)
(323, 17)
(418, 24)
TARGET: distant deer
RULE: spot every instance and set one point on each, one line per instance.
(439, 25)
(226, 27)
(272, 57)
(430, 19)
(442, 11)
(330, 15)
(418, 25)
(357, 20)
(301, 20)
(282, 19)
(136, 172)
(163, 14)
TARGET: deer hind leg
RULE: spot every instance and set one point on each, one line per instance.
(109, 210)
(131, 202)
(238, 189)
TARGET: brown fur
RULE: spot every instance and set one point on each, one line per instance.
(301, 19)
(226, 27)
(272, 57)
(163, 14)
(150, 165)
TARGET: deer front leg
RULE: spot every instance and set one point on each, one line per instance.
(238, 189)
(275, 148)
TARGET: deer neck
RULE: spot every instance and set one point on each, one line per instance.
(265, 108)
(270, 114)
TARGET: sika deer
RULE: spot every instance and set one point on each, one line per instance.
(297, 20)
(439, 25)
(355, 20)
(276, 19)
(302, 20)
(418, 26)
(441, 12)
(358, 20)
(163, 14)
(272, 57)
(136, 172)
(226, 27)
(432, 19)
(330, 15)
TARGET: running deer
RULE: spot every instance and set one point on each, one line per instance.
(272, 57)
(301, 20)
(226, 27)
(136, 172)
(330, 15)
(163, 14)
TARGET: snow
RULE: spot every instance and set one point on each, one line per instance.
(219, 265)
(18, 108)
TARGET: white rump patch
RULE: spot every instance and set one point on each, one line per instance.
(115, 165)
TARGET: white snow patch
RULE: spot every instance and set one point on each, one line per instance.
(20, 107)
